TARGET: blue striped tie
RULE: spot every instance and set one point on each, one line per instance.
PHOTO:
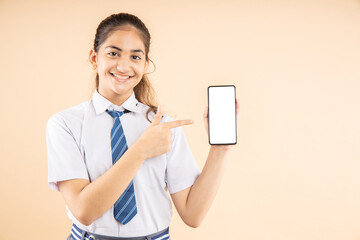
(125, 206)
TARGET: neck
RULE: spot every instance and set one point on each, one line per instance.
(114, 98)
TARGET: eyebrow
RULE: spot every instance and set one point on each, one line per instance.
(133, 50)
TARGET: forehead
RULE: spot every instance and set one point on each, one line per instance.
(126, 38)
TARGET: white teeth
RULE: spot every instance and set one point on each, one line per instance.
(121, 77)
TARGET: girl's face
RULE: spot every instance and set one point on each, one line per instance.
(121, 63)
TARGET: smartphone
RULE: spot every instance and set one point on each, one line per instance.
(222, 115)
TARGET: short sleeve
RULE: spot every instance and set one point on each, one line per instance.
(65, 160)
(182, 169)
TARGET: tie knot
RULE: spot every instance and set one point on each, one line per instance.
(115, 114)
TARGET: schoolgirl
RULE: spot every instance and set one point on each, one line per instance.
(114, 158)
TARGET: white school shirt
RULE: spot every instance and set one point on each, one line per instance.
(79, 147)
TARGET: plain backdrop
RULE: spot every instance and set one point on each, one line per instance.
(294, 174)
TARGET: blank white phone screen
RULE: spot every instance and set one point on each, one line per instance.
(222, 115)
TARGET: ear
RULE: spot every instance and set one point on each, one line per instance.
(92, 58)
(147, 62)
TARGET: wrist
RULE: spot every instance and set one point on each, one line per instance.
(220, 148)
(139, 151)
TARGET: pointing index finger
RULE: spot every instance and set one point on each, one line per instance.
(178, 123)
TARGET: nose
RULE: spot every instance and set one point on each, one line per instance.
(123, 65)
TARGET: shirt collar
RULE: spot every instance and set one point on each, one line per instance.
(101, 104)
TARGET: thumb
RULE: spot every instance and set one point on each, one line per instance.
(157, 117)
(206, 112)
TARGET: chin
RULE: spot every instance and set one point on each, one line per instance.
(121, 90)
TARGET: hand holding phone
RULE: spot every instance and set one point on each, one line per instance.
(222, 115)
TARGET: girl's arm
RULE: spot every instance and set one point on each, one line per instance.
(194, 202)
(88, 201)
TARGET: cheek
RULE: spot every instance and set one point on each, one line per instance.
(139, 68)
(105, 65)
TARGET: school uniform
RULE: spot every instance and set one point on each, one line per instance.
(79, 147)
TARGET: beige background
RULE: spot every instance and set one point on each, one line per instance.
(295, 172)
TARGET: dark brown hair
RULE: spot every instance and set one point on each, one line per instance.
(143, 91)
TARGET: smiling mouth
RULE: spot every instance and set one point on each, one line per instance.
(121, 78)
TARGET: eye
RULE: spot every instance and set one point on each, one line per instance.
(135, 57)
(113, 54)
